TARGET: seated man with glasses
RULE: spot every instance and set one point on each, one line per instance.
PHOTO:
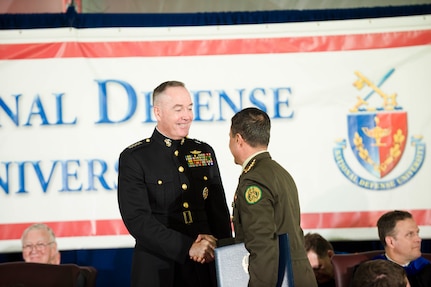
(39, 245)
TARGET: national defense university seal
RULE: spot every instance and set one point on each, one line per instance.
(378, 136)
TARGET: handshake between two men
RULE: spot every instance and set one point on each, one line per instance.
(202, 250)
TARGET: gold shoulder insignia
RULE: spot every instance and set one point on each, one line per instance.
(147, 140)
(250, 166)
(135, 144)
(253, 194)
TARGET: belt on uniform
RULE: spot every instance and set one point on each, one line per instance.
(191, 216)
(185, 217)
(188, 218)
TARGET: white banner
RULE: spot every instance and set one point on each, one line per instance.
(348, 102)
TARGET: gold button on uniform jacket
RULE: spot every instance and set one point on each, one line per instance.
(169, 191)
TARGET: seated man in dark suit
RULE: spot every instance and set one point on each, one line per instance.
(319, 253)
(399, 234)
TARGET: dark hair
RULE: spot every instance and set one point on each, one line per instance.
(163, 86)
(386, 223)
(253, 125)
(379, 273)
(316, 243)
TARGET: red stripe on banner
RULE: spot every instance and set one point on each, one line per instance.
(356, 219)
(69, 228)
(215, 47)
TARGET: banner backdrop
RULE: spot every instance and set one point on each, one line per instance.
(349, 103)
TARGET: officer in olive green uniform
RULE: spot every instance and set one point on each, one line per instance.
(265, 204)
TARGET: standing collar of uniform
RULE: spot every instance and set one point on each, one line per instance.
(165, 140)
(245, 163)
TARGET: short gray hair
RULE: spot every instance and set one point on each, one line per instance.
(39, 226)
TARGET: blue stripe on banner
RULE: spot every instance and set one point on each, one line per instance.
(72, 19)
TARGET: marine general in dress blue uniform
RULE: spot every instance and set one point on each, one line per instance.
(169, 192)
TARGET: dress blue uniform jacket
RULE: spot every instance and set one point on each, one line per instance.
(169, 191)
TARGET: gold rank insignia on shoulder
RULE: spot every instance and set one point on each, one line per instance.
(134, 145)
(198, 158)
(250, 166)
(253, 194)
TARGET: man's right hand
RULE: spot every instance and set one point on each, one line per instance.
(202, 249)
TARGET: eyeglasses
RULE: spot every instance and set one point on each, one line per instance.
(38, 246)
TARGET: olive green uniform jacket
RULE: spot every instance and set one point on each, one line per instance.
(266, 205)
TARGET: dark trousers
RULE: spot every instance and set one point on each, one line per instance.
(149, 270)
